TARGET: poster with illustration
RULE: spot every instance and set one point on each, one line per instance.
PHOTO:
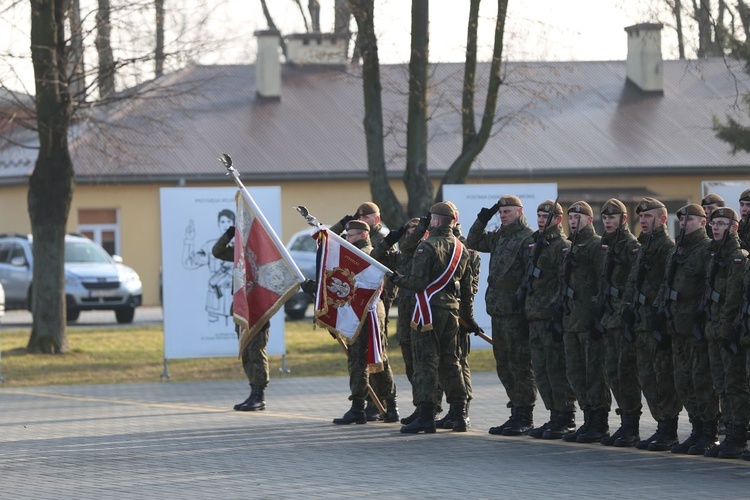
(197, 286)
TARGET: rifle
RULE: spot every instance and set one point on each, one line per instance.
(668, 294)
(639, 299)
(604, 300)
(703, 313)
(566, 292)
(745, 233)
(532, 271)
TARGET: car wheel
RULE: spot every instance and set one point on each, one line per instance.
(125, 315)
(72, 315)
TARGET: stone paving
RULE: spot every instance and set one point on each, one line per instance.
(183, 441)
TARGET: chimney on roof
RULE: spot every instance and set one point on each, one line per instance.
(268, 65)
(645, 65)
(324, 49)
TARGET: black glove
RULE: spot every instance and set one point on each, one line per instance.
(628, 315)
(229, 233)
(393, 237)
(473, 327)
(424, 223)
(345, 220)
(486, 214)
(310, 287)
(396, 277)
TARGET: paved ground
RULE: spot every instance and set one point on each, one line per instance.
(88, 319)
(182, 440)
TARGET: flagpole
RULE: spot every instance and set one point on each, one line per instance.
(227, 161)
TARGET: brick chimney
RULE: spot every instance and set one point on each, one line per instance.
(268, 65)
(645, 65)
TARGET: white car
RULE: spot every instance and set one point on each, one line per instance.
(2, 300)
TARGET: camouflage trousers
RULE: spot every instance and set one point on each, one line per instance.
(405, 312)
(584, 362)
(510, 345)
(736, 388)
(255, 359)
(692, 377)
(718, 375)
(436, 359)
(621, 371)
(358, 375)
(548, 362)
(656, 374)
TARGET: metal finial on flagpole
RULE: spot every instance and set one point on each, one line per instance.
(226, 160)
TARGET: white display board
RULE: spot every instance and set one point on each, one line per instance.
(197, 288)
(470, 199)
(729, 190)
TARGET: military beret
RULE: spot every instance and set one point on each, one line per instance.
(581, 207)
(745, 196)
(367, 209)
(613, 206)
(648, 204)
(546, 206)
(712, 199)
(443, 208)
(357, 224)
(724, 212)
(509, 200)
(412, 223)
(692, 209)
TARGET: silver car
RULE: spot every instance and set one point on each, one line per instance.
(93, 279)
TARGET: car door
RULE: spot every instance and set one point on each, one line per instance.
(16, 275)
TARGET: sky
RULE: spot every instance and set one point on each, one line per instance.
(535, 30)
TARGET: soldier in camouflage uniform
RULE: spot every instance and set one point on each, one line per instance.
(654, 347)
(357, 233)
(510, 331)
(542, 283)
(584, 351)
(724, 293)
(678, 300)
(621, 368)
(710, 203)
(440, 275)
(254, 358)
(742, 325)
(744, 229)
(369, 212)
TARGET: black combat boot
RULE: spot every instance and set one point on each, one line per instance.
(460, 423)
(538, 432)
(372, 413)
(667, 438)
(643, 443)
(683, 447)
(572, 437)
(735, 444)
(610, 440)
(563, 424)
(355, 415)
(256, 401)
(713, 451)
(425, 422)
(523, 422)
(598, 429)
(391, 413)
(447, 421)
(498, 430)
(411, 418)
(238, 406)
(707, 439)
(629, 432)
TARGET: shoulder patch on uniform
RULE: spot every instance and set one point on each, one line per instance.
(739, 260)
(605, 247)
(420, 250)
(635, 251)
(565, 250)
(531, 245)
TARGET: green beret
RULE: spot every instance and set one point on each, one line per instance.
(692, 209)
(613, 206)
(546, 206)
(745, 196)
(581, 207)
(510, 200)
(443, 208)
(357, 225)
(712, 199)
(367, 209)
(724, 212)
(647, 204)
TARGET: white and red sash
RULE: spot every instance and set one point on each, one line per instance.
(422, 311)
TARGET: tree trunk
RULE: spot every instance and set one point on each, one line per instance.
(416, 176)
(314, 7)
(677, 11)
(103, 44)
(51, 183)
(159, 49)
(272, 25)
(382, 193)
(76, 67)
(473, 143)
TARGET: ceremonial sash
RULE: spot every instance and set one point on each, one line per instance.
(422, 311)
(374, 344)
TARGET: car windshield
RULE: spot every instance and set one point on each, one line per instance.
(85, 251)
(304, 243)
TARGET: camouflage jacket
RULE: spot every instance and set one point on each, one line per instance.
(623, 255)
(727, 286)
(584, 280)
(687, 284)
(744, 234)
(651, 264)
(545, 286)
(506, 247)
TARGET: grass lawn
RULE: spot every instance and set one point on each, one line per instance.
(132, 355)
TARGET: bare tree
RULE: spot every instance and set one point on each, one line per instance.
(272, 25)
(103, 43)
(159, 50)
